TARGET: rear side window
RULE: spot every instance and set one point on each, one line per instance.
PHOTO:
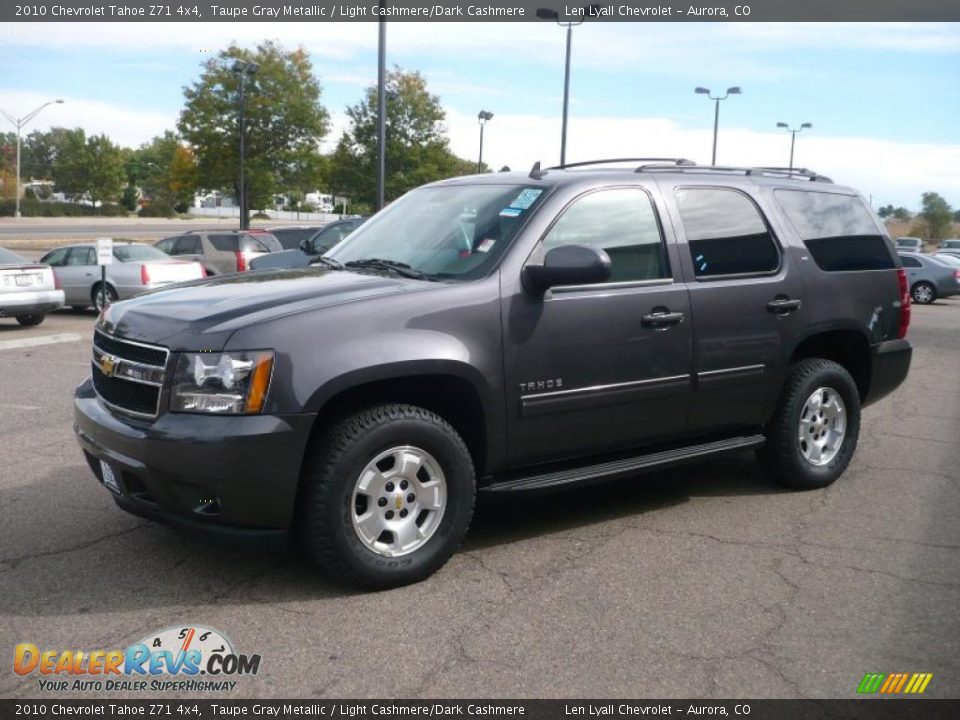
(837, 229)
(726, 233)
(186, 245)
(225, 243)
(910, 262)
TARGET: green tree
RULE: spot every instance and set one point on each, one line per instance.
(885, 211)
(938, 214)
(956, 216)
(285, 121)
(91, 168)
(184, 177)
(902, 214)
(417, 148)
(148, 167)
(39, 152)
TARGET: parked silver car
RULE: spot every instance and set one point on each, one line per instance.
(929, 278)
(950, 244)
(136, 268)
(28, 290)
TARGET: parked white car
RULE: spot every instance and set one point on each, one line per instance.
(28, 290)
(136, 268)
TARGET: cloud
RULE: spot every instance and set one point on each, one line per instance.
(892, 172)
(124, 125)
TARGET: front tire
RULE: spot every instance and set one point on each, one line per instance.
(813, 433)
(923, 293)
(386, 496)
(29, 320)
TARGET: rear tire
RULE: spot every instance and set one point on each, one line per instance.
(813, 433)
(28, 320)
(923, 293)
(95, 296)
(355, 506)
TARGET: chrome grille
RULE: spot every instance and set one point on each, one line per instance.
(128, 376)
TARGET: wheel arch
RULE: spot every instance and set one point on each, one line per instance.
(846, 346)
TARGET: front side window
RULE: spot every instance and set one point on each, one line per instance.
(186, 245)
(621, 222)
(447, 231)
(725, 233)
(56, 258)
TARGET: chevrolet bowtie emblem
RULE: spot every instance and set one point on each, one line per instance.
(399, 502)
(107, 364)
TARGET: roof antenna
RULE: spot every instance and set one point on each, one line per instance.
(535, 172)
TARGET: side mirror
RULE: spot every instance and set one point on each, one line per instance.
(305, 245)
(569, 265)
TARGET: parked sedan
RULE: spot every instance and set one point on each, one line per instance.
(929, 278)
(28, 290)
(316, 244)
(951, 244)
(135, 269)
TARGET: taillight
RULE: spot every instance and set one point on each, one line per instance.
(904, 303)
(56, 281)
(241, 261)
(203, 271)
(144, 275)
(956, 274)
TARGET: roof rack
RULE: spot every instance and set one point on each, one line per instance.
(797, 173)
(669, 162)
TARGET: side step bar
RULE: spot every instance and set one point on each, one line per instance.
(653, 461)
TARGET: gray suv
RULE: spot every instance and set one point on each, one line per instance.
(503, 333)
(221, 251)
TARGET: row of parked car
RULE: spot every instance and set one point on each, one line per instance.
(931, 275)
(69, 275)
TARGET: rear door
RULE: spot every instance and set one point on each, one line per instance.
(745, 300)
(78, 274)
(591, 368)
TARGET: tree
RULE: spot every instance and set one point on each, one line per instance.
(91, 168)
(285, 121)
(938, 214)
(417, 147)
(148, 167)
(956, 216)
(885, 211)
(184, 178)
(902, 214)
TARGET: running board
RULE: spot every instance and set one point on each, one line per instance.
(640, 463)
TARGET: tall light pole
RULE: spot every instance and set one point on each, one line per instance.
(735, 90)
(548, 14)
(243, 69)
(19, 124)
(382, 110)
(793, 136)
(483, 117)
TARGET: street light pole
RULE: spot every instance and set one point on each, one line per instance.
(382, 111)
(735, 90)
(548, 14)
(19, 124)
(244, 69)
(793, 136)
(483, 117)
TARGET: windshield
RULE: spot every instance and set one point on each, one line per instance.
(450, 231)
(135, 253)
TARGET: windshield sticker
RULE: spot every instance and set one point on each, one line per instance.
(526, 198)
(510, 212)
(485, 245)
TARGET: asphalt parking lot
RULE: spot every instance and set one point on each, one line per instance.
(704, 581)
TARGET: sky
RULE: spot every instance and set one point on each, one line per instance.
(883, 98)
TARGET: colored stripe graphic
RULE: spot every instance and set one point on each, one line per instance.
(894, 683)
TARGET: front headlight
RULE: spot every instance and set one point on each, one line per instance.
(229, 383)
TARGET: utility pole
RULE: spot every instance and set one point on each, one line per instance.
(382, 111)
(19, 124)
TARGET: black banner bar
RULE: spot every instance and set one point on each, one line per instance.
(479, 10)
(857, 709)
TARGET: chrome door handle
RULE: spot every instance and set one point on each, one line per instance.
(662, 319)
(783, 306)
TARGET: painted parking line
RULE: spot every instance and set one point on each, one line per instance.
(19, 407)
(39, 340)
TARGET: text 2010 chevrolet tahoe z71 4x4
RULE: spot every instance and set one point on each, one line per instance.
(504, 332)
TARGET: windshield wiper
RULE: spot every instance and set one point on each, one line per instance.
(393, 266)
(329, 262)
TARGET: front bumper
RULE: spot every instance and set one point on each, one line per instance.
(889, 365)
(230, 475)
(30, 302)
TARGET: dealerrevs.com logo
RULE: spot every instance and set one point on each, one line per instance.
(189, 659)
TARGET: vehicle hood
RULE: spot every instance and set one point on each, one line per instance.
(201, 315)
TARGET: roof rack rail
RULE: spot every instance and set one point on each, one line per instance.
(673, 162)
(797, 173)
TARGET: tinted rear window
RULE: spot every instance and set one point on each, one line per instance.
(225, 243)
(11, 258)
(837, 229)
(262, 242)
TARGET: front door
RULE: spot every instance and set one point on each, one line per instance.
(745, 298)
(600, 367)
(78, 274)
